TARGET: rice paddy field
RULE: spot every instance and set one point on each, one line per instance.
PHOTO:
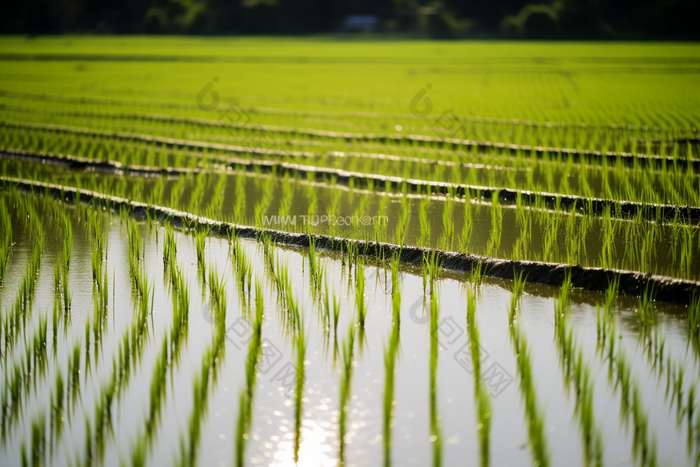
(323, 252)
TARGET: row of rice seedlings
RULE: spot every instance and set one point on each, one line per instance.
(100, 276)
(535, 417)
(169, 246)
(242, 268)
(624, 179)
(380, 228)
(390, 357)
(135, 337)
(360, 301)
(494, 241)
(23, 376)
(424, 222)
(21, 308)
(481, 394)
(435, 426)
(643, 444)
(403, 220)
(168, 356)
(63, 265)
(6, 240)
(348, 350)
(576, 371)
(200, 241)
(216, 203)
(207, 375)
(245, 411)
(648, 335)
(606, 328)
(102, 423)
(316, 270)
(550, 163)
(300, 347)
(261, 206)
(432, 269)
(136, 252)
(467, 226)
(38, 443)
(550, 228)
(651, 137)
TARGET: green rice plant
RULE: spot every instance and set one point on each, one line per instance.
(239, 209)
(483, 426)
(424, 221)
(447, 225)
(214, 208)
(200, 241)
(481, 394)
(360, 292)
(478, 272)
(242, 270)
(516, 296)
(38, 440)
(390, 356)
(494, 241)
(169, 245)
(217, 291)
(404, 218)
(467, 227)
(6, 240)
(432, 269)
(473, 334)
(247, 395)
(643, 444)
(345, 387)
(300, 345)
(534, 416)
(647, 320)
(316, 269)
(336, 313)
(181, 303)
(57, 405)
(435, 429)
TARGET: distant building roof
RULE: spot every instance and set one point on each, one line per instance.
(360, 23)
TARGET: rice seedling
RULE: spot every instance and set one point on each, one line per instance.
(481, 393)
(345, 388)
(6, 240)
(435, 429)
(245, 413)
(360, 302)
(424, 222)
(390, 357)
(494, 241)
(516, 296)
(535, 418)
(300, 346)
(200, 240)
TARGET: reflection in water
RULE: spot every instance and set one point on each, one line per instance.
(314, 450)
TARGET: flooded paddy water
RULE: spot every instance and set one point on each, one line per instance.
(272, 420)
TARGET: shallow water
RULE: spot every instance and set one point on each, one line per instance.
(271, 440)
